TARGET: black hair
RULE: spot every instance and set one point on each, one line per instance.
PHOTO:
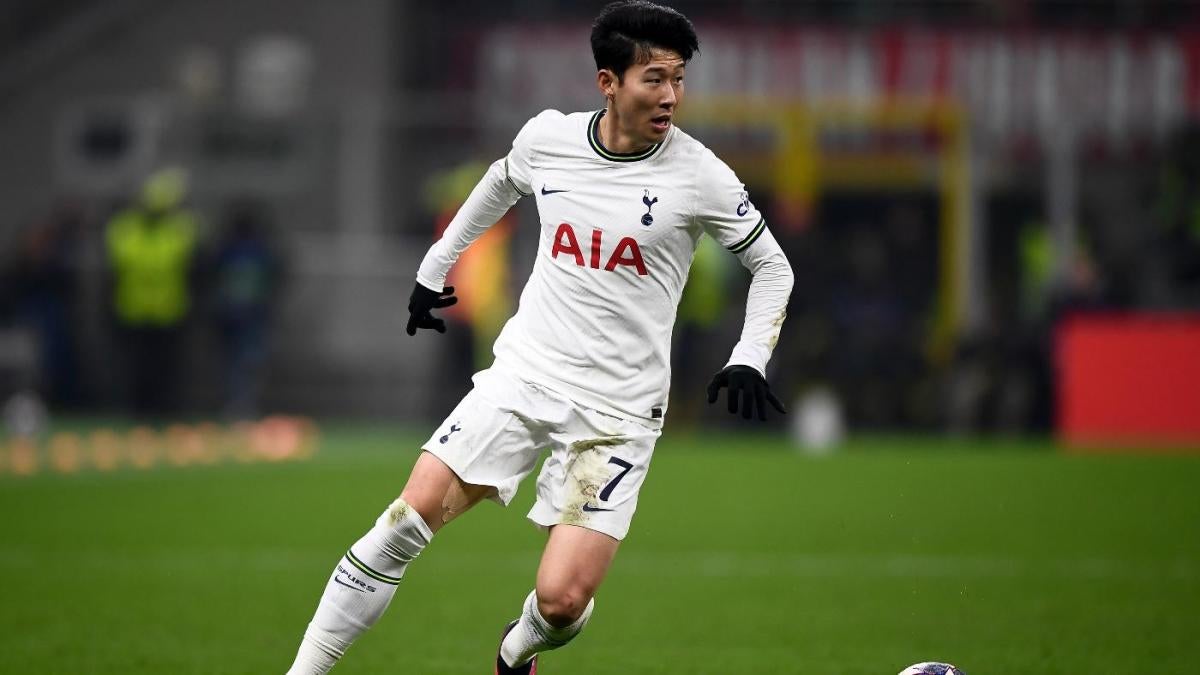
(625, 32)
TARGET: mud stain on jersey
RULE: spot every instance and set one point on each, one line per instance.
(587, 470)
(777, 324)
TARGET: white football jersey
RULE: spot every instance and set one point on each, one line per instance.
(618, 232)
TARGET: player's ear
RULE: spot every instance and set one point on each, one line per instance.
(606, 81)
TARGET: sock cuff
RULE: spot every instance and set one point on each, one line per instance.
(398, 537)
(398, 514)
(574, 628)
(552, 635)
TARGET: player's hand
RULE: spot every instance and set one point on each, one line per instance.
(746, 384)
(420, 304)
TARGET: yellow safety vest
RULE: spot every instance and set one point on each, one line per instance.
(151, 263)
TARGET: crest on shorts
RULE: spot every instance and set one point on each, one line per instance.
(453, 428)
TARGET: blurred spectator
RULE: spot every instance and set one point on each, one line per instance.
(480, 277)
(1002, 379)
(247, 274)
(43, 283)
(151, 252)
(875, 358)
(1179, 215)
(698, 329)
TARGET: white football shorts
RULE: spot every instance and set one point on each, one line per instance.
(595, 468)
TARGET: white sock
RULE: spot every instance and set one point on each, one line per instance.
(361, 587)
(534, 634)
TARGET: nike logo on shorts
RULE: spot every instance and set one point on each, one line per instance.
(593, 509)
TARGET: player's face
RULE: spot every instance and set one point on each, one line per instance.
(646, 98)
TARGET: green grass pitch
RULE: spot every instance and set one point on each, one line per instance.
(745, 557)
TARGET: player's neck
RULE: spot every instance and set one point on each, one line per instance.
(613, 140)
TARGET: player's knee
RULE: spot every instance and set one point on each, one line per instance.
(427, 506)
(561, 607)
(437, 494)
(426, 498)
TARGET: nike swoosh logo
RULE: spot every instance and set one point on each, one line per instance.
(349, 585)
(551, 192)
(592, 509)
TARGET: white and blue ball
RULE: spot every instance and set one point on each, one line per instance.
(931, 668)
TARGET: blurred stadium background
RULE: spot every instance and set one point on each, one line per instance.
(992, 208)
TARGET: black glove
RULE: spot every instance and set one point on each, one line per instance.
(421, 302)
(745, 382)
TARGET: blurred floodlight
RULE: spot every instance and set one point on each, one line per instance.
(273, 76)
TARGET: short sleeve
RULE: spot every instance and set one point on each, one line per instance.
(723, 206)
(518, 165)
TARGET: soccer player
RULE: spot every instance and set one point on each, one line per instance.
(582, 368)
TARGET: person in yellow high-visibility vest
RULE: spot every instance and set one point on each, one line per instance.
(701, 309)
(481, 274)
(151, 247)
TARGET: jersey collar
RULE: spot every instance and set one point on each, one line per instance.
(594, 141)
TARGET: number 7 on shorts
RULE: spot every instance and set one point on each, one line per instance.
(612, 484)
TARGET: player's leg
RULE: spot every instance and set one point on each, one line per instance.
(574, 563)
(437, 493)
(587, 495)
(365, 579)
(483, 449)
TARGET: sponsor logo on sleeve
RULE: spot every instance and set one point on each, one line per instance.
(743, 206)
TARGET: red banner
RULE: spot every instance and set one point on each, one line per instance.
(1129, 380)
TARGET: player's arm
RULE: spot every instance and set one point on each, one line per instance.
(725, 211)
(506, 181)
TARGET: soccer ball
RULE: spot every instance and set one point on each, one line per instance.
(931, 668)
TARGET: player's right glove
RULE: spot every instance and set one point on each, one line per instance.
(420, 306)
(746, 384)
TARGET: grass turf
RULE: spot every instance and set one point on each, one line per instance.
(744, 558)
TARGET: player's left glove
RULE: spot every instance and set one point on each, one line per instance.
(746, 384)
(420, 304)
